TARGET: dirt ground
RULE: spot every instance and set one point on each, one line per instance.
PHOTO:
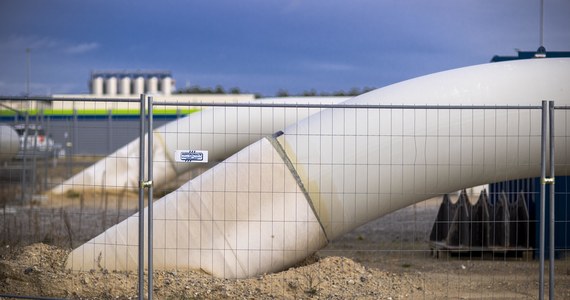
(389, 258)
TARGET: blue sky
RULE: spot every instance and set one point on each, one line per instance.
(262, 46)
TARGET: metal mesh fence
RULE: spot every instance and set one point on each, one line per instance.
(286, 201)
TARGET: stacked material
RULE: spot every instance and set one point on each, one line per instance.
(482, 226)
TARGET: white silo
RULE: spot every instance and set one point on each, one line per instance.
(97, 86)
(111, 86)
(166, 85)
(152, 85)
(125, 87)
(9, 143)
(138, 85)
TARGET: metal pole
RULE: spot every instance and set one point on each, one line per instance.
(542, 200)
(541, 29)
(68, 153)
(552, 190)
(74, 138)
(25, 155)
(52, 158)
(35, 153)
(68, 144)
(141, 199)
(47, 153)
(150, 200)
(341, 105)
(28, 73)
(109, 131)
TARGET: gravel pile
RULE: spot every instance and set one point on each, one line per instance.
(38, 270)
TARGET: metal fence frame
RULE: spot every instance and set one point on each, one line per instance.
(547, 133)
(146, 180)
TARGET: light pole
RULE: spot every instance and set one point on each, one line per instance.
(541, 52)
(29, 67)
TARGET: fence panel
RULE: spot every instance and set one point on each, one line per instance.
(48, 205)
(354, 201)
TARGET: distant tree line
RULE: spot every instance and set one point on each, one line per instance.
(219, 90)
(313, 93)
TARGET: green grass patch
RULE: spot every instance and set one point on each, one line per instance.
(98, 112)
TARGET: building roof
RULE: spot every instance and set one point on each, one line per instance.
(530, 54)
(130, 73)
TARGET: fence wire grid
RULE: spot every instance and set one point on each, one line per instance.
(285, 200)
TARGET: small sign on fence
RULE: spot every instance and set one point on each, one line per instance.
(200, 156)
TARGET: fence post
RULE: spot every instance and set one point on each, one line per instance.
(25, 156)
(49, 151)
(35, 154)
(71, 143)
(150, 200)
(551, 199)
(109, 131)
(542, 198)
(141, 198)
(74, 137)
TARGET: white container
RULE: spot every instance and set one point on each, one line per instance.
(125, 87)
(9, 142)
(97, 86)
(111, 86)
(152, 85)
(166, 86)
(138, 86)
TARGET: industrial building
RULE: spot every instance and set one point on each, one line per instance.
(126, 84)
(540, 53)
(129, 83)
